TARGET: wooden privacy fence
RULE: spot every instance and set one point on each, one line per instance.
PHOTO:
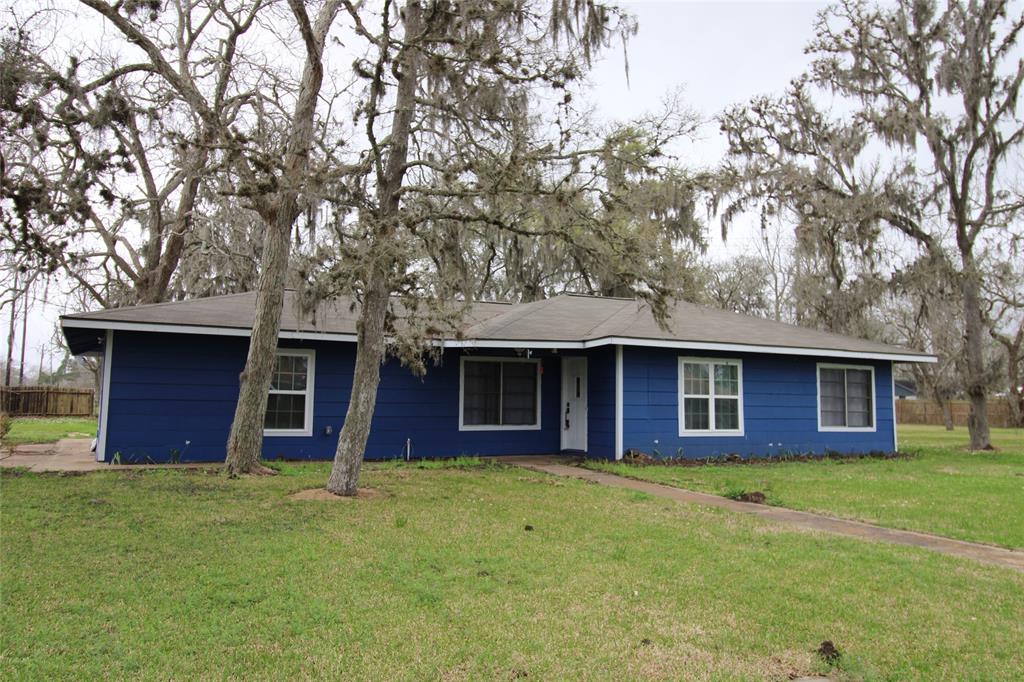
(928, 412)
(47, 401)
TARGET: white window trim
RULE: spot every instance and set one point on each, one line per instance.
(874, 399)
(712, 431)
(495, 427)
(307, 429)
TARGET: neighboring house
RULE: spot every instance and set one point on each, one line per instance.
(568, 374)
(906, 389)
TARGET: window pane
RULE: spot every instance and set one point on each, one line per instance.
(519, 393)
(727, 380)
(695, 414)
(727, 414)
(285, 411)
(832, 384)
(481, 393)
(833, 418)
(833, 397)
(695, 379)
(859, 418)
(858, 382)
(289, 373)
(858, 398)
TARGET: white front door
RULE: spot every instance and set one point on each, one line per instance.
(574, 403)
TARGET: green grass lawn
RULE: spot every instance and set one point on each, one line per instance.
(49, 430)
(172, 574)
(942, 489)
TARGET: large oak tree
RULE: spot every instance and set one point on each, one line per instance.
(926, 149)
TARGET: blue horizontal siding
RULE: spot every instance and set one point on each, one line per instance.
(177, 393)
(601, 402)
(779, 404)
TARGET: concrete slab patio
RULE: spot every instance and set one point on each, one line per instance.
(989, 554)
(69, 455)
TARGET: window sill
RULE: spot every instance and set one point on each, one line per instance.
(295, 433)
(707, 434)
(847, 429)
(488, 427)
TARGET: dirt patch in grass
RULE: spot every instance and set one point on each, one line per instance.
(321, 495)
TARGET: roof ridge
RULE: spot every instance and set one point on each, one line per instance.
(582, 295)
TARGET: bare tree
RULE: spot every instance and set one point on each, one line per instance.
(279, 210)
(653, 208)
(255, 134)
(937, 89)
(777, 259)
(106, 156)
(738, 285)
(1004, 291)
(922, 311)
(466, 110)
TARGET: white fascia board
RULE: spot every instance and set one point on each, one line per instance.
(199, 329)
(501, 343)
(519, 343)
(752, 348)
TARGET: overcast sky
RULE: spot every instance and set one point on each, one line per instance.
(721, 53)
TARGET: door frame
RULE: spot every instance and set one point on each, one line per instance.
(582, 360)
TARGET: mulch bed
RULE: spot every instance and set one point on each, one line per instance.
(636, 458)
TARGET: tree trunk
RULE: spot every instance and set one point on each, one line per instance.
(245, 443)
(348, 458)
(370, 339)
(24, 331)
(947, 415)
(1016, 396)
(974, 332)
(10, 330)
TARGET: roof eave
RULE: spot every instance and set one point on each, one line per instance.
(315, 335)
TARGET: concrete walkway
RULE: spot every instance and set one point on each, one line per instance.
(985, 553)
(72, 455)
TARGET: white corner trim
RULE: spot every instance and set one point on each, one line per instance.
(101, 433)
(310, 393)
(895, 438)
(496, 427)
(618, 402)
(874, 399)
(711, 431)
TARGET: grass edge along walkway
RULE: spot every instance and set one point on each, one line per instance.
(990, 554)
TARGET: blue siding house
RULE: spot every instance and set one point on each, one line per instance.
(588, 375)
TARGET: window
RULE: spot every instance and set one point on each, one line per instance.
(710, 397)
(290, 403)
(499, 393)
(846, 398)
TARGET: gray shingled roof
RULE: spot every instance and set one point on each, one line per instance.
(568, 319)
